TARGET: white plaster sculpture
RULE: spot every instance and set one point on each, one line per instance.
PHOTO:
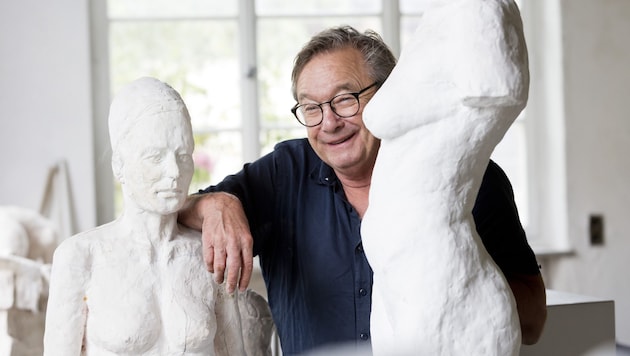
(39, 238)
(138, 285)
(257, 323)
(460, 82)
(26, 243)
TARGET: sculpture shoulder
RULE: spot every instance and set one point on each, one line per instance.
(82, 246)
(186, 243)
(189, 235)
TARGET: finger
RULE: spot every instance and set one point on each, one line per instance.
(219, 264)
(247, 268)
(234, 266)
(208, 257)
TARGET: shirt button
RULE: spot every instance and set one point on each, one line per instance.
(362, 292)
(364, 336)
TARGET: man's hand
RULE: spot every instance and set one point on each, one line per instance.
(226, 238)
(531, 303)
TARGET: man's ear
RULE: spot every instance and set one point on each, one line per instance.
(117, 167)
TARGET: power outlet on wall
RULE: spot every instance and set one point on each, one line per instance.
(596, 229)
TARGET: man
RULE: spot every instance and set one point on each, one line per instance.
(300, 207)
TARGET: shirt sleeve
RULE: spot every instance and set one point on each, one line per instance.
(499, 226)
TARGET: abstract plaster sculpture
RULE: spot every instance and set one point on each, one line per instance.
(138, 285)
(460, 82)
(27, 240)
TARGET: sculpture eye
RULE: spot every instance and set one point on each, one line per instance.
(155, 158)
(184, 157)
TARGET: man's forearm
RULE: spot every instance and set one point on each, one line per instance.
(193, 212)
(188, 214)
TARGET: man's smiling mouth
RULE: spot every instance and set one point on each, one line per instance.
(343, 140)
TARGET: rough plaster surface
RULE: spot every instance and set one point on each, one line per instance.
(459, 84)
(257, 323)
(26, 242)
(27, 233)
(138, 285)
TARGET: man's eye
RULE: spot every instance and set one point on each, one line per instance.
(309, 109)
(344, 100)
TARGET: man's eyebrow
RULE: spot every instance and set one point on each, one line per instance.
(340, 89)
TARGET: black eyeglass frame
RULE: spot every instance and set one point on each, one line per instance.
(356, 95)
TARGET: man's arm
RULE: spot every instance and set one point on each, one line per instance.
(499, 227)
(226, 239)
(531, 304)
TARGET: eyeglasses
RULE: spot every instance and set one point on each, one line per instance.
(343, 105)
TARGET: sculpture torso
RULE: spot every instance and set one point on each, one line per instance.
(459, 84)
(137, 301)
(170, 298)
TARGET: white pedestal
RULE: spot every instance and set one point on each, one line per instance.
(576, 325)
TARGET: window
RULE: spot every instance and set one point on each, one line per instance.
(232, 60)
(192, 45)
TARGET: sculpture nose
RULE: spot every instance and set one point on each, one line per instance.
(171, 166)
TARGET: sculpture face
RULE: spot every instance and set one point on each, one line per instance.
(157, 164)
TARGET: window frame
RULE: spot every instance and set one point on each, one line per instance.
(547, 228)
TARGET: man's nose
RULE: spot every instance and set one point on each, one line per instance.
(330, 118)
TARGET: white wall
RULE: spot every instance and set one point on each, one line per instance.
(596, 56)
(45, 102)
(46, 115)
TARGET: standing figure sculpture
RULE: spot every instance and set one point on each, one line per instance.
(138, 285)
(461, 81)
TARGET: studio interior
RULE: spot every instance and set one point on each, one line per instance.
(566, 155)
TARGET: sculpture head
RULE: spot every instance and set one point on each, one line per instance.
(152, 144)
(465, 58)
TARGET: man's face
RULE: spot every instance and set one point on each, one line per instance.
(343, 143)
(158, 165)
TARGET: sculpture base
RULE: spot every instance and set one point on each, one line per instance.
(576, 325)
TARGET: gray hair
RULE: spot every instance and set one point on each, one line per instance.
(378, 57)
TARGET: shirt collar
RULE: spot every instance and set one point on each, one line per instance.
(324, 174)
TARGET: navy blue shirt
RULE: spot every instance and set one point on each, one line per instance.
(319, 282)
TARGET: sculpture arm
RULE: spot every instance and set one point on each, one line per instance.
(531, 304)
(229, 337)
(67, 310)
